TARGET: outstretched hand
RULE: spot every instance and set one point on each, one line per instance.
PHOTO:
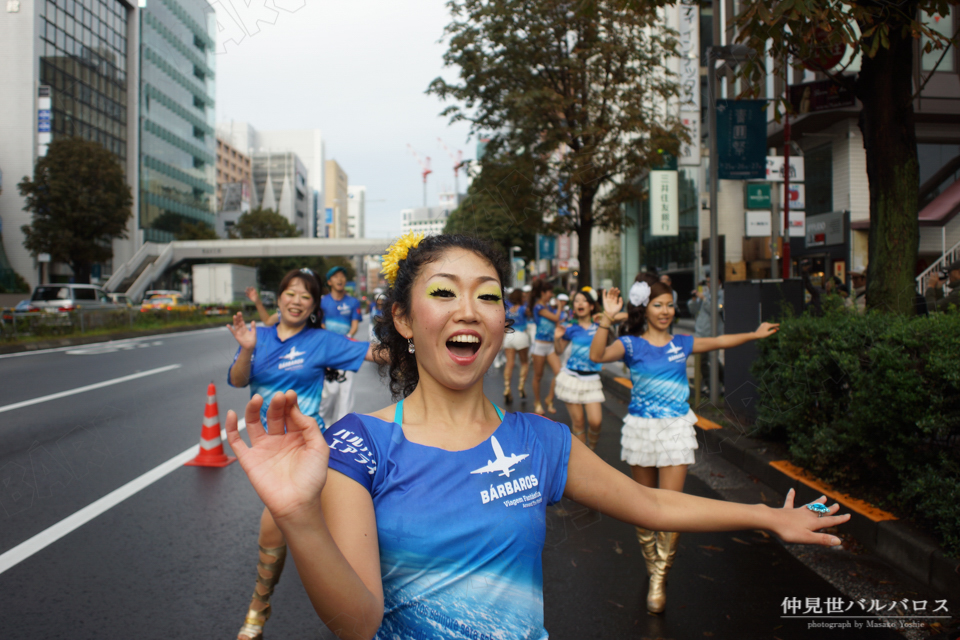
(800, 524)
(252, 294)
(767, 329)
(247, 337)
(286, 462)
(612, 302)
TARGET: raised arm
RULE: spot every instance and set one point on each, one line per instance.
(595, 484)
(550, 315)
(327, 519)
(702, 345)
(247, 339)
(266, 318)
(599, 350)
(559, 344)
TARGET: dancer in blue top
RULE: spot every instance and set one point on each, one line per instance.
(658, 436)
(291, 355)
(341, 314)
(579, 384)
(426, 519)
(546, 320)
(516, 344)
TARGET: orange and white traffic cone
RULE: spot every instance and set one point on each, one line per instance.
(211, 447)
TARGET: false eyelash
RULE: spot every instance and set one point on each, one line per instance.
(491, 297)
(440, 290)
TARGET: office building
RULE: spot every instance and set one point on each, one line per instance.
(307, 144)
(335, 200)
(280, 184)
(356, 211)
(234, 177)
(70, 69)
(177, 136)
(427, 220)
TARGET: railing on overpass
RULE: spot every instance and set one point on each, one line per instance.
(164, 256)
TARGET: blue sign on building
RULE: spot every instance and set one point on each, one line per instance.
(742, 139)
(330, 209)
(547, 247)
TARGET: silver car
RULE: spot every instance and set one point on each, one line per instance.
(53, 298)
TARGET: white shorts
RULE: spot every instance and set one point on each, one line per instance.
(575, 389)
(516, 340)
(659, 442)
(541, 348)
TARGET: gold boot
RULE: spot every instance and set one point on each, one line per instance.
(521, 388)
(648, 546)
(507, 398)
(268, 575)
(667, 542)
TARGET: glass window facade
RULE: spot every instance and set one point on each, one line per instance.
(177, 139)
(83, 57)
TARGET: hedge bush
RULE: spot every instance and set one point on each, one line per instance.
(871, 403)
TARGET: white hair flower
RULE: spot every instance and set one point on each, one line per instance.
(639, 294)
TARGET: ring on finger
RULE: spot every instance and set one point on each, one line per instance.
(818, 508)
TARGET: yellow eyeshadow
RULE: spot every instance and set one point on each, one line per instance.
(440, 286)
(489, 290)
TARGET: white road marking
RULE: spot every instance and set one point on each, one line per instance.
(89, 387)
(48, 536)
(40, 352)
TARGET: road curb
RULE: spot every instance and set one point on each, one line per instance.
(82, 340)
(909, 550)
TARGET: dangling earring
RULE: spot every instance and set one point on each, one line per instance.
(410, 346)
(313, 318)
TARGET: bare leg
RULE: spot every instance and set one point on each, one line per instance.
(576, 421)
(554, 361)
(510, 355)
(524, 368)
(538, 362)
(594, 412)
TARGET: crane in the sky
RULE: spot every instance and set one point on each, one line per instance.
(425, 166)
(458, 163)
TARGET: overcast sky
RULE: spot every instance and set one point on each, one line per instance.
(357, 70)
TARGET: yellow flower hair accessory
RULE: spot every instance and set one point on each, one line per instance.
(398, 251)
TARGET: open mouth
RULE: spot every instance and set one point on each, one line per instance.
(463, 345)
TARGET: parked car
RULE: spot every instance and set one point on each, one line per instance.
(169, 303)
(160, 293)
(120, 299)
(54, 298)
(268, 298)
(23, 308)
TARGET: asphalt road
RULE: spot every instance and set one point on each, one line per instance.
(177, 558)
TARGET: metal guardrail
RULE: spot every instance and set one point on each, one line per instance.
(60, 323)
(952, 254)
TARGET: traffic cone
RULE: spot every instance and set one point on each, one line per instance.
(211, 447)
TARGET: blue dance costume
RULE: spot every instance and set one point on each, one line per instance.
(658, 430)
(461, 532)
(579, 380)
(545, 326)
(338, 315)
(298, 363)
(519, 317)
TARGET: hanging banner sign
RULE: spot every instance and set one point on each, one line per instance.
(823, 95)
(690, 151)
(548, 247)
(688, 30)
(775, 169)
(742, 139)
(664, 208)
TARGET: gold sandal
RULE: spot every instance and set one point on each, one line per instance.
(252, 628)
(593, 437)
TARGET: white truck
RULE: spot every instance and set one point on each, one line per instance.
(222, 283)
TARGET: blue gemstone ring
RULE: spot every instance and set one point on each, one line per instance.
(819, 509)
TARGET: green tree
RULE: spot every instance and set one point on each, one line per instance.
(885, 34)
(578, 88)
(196, 231)
(80, 201)
(264, 223)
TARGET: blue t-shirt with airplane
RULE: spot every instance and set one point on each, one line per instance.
(519, 316)
(298, 363)
(461, 533)
(580, 340)
(545, 326)
(659, 376)
(338, 315)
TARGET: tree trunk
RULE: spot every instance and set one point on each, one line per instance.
(890, 141)
(584, 233)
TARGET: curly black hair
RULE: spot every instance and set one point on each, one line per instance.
(636, 322)
(393, 347)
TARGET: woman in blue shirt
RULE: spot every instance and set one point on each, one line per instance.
(658, 435)
(427, 519)
(292, 354)
(545, 319)
(516, 344)
(579, 384)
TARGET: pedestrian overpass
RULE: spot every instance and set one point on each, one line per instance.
(136, 275)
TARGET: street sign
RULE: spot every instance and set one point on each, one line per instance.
(798, 194)
(775, 169)
(664, 208)
(757, 224)
(757, 195)
(825, 230)
(823, 95)
(741, 139)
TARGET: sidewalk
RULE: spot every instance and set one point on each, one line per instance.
(912, 552)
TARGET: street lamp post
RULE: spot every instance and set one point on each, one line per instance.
(727, 53)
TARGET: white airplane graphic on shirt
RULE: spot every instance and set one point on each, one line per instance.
(503, 464)
(674, 349)
(293, 354)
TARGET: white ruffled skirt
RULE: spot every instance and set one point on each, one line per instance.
(658, 442)
(578, 390)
